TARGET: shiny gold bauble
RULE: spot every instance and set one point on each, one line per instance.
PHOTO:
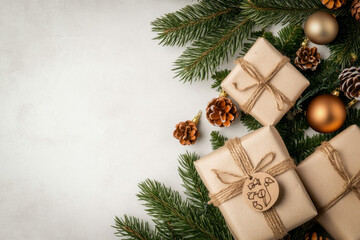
(326, 113)
(321, 28)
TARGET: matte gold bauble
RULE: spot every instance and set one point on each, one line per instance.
(326, 113)
(321, 28)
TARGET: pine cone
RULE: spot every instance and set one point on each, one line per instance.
(307, 58)
(221, 112)
(355, 10)
(350, 82)
(314, 237)
(186, 132)
(333, 4)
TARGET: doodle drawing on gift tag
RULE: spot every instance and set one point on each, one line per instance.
(253, 184)
(262, 195)
(261, 191)
(251, 195)
(268, 181)
(257, 206)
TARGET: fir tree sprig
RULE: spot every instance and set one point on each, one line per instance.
(198, 195)
(133, 228)
(290, 39)
(267, 13)
(169, 210)
(250, 122)
(218, 77)
(217, 140)
(203, 57)
(193, 21)
(346, 43)
(194, 187)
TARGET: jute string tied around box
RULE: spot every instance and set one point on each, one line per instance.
(352, 184)
(235, 187)
(261, 84)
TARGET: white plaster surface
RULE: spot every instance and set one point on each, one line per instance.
(88, 106)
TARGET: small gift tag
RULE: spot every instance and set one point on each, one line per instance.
(261, 191)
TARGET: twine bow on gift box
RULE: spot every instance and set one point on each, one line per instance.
(352, 184)
(235, 187)
(261, 84)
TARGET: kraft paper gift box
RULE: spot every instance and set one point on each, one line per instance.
(324, 184)
(293, 205)
(269, 105)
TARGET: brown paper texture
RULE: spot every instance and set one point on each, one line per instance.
(293, 205)
(289, 81)
(323, 183)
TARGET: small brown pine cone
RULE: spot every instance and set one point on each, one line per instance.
(221, 112)
(186, 132)
(355, 10)
(333, 4)
(350, 82)
(307, 58)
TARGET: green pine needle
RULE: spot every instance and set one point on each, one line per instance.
(203, 57)
(218, 77)
(133, 228)
(273, 12)
(193, 22)
(346, 43)
(198, 195)
(168, 209)
(217, 140)
(194, 187)
(250, 123)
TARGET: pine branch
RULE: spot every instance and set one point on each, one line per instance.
(347, 41)
(198, 195)
(323, 81)
(307, 146)
(250, 123)
(193, 21)
(218, 77)
(133, 228)
(353, 117)
(292, 128)
(204, 56)
(194, 187)
(290, 39)
(217, 140)
(168, 208)
(267, 13)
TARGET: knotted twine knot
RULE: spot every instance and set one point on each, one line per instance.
(235, 187)
(261, 84)
(352, 184)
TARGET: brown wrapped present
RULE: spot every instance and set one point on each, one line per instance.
(228, 171)
(265, 83)
(332, 177)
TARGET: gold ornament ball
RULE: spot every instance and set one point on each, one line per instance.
(321, 28)
(326, 113)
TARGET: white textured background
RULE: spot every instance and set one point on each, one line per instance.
(88, 106)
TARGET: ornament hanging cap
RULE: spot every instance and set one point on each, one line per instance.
(223, 93)
(196, 119)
